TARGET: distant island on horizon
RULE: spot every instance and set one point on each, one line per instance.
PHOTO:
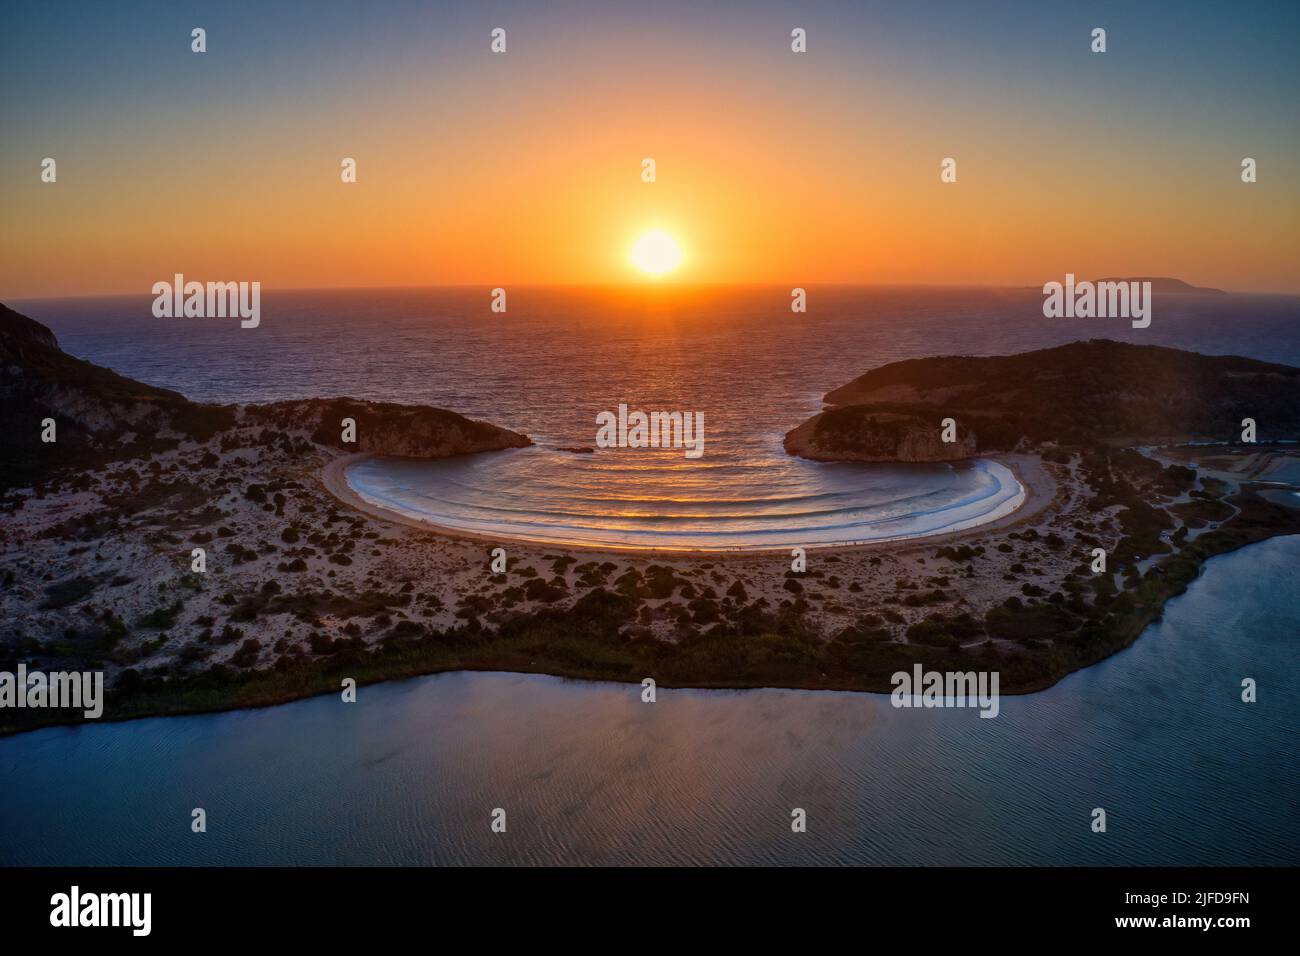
(1166, 285)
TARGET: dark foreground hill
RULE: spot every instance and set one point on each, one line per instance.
(1079, 394)
(101, 416)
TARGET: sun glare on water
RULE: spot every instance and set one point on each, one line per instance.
(656, 253)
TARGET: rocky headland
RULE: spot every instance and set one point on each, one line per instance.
(1081, 394)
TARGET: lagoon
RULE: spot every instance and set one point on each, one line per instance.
(1157, 735)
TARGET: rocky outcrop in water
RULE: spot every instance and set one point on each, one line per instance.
(1083, 393)
(101, 416)
(387, 428)
(853, 434)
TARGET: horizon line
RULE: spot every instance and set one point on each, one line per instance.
(646, 286)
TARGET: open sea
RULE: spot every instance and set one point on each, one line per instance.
(560, 357)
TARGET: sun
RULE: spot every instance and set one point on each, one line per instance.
(656, 253)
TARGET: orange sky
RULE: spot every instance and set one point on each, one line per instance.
(525, 168)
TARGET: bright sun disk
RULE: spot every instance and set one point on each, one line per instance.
(656, 253)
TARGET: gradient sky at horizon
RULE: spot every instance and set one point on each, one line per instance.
(476, 168)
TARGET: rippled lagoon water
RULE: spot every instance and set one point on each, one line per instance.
(1157, 735)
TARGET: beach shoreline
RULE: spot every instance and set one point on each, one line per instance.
(1037, 491)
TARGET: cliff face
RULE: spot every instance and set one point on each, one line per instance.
(860, 435)
(1082, 393)
(386, 428)
(23, 339)
(101, 416)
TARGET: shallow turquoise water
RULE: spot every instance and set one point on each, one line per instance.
(631, 498)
